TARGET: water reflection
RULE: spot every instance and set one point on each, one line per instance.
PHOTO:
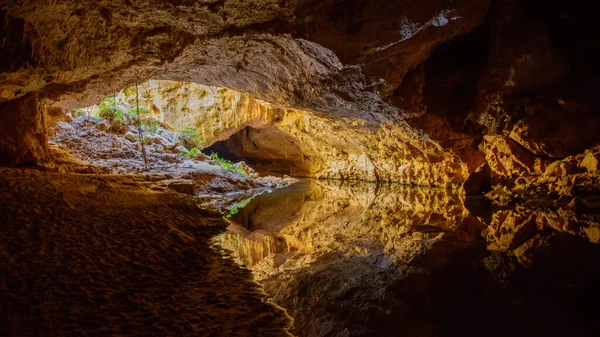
(362, 259)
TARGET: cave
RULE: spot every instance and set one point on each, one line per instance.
(267, 150)
(299, 168)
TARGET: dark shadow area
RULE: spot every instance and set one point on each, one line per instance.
(268, 150)
(108, 256)
(570, 30)
(452, 73)
(489, 293)
(221, 149)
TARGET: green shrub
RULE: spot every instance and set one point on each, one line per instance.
(227, 164)
(151, 125)
(191, 154)
(79, 112)
(109, 111)
(237, 208)
(192, 133)
(108, 115)
(132, 112)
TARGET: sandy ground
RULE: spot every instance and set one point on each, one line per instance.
(106, 255)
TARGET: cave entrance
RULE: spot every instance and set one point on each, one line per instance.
(268, 150)
(180, 124)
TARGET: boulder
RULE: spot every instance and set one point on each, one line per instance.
(102, 126)
(242, 166)
(179, 149)
(171, 158)
(168, 135)
(130, 136)
(63, 127)
(152, 139)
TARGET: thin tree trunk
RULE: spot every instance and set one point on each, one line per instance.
(140, 132)
(110, 128)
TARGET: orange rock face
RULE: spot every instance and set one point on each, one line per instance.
(427, 95)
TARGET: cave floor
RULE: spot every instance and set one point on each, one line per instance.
(116, 255)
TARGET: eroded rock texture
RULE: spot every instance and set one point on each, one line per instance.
(276, 51)
(359, 259)
(302, 143)
(456, 72)
(23, 130)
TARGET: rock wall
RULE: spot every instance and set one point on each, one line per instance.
(515, 95)
(76, 52)
(464, 74)
(305, 143)
(23, 129)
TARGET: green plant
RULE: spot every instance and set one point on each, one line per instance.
(79, 112)
(193, 153)
(118, 126)
(107, 109)
(227, 164)
(132, 112)
(129, 91)
(237, 208)
(191, 131)
(151, 125)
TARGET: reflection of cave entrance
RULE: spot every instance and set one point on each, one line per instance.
(268, 150)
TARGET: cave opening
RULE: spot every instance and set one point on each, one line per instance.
(268, 150)
(178, 124)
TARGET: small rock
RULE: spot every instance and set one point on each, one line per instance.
(171, 158)
(102, 126)
(130, 136)
(179, 149)
(589, 162)
(245, 168)
(157, 147)
(152, 139)
(168, 135)
(63, 126)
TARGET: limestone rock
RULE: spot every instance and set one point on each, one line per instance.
(590, 162)
(130, 136)
(102, 126)
(405, 91)
(301, 142)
